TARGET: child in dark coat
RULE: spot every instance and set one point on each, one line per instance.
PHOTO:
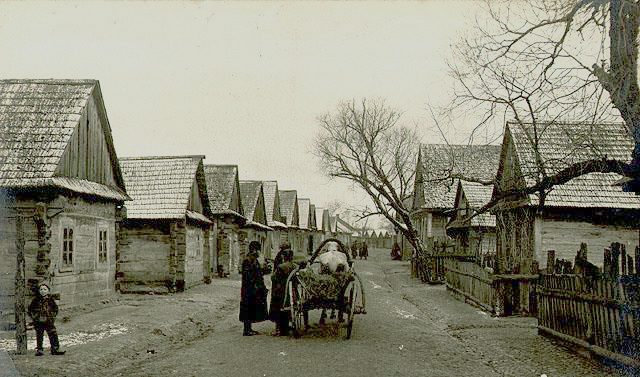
(43, 310)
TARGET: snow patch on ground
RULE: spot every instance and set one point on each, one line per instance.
(98, 332)
(375, 286)
(403, 313)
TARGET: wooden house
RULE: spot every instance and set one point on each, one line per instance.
(473, 235)
(274, 219)
(591, 208)
(61, 191)
(437, 175)
(291, 217)
(166, 234)
(223, 187)
(305, 225)
(256, 228)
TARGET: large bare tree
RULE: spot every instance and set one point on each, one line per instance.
(363, 142)
(541, 61)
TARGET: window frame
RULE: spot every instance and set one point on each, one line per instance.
(68, 240)
(102, 243)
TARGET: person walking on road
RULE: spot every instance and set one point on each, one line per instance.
(253, 294)
(283, 266)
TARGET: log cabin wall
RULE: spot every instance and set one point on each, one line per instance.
(195, 244)
(144, 261)
(83, 275)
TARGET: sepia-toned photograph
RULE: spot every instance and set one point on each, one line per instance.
(319, 188)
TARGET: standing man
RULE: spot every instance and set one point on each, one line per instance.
(253, 294)
(283, 266)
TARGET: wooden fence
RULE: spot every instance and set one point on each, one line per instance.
(596, 309)
(471, 282)
(429, 267)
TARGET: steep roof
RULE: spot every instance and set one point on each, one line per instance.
(478, 195)
(272, 203)
(161, 186)
(320, 224)
(289, 206)
(250, 192)
(561, 145)
(38, 119)
(222, 184)
(436, 164)
(304, 205)
(312, 217)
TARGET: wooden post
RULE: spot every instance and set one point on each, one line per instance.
(606, 269)
(637, 259)
(630, 265)
(615, 259)
(623, 259)
(20, 310)
(551, 262)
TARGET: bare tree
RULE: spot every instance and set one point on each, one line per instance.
(541, 61)
(363, 142)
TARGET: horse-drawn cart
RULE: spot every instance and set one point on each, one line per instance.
(309, 288)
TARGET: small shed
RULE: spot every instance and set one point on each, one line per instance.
(473, 235)
(165, 237)
(223, 187)
(61, 191)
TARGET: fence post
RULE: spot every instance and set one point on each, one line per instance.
(615, 260)
(551, 262)
(623, 259)
(606, 269)
(637, 259)
(630, 265)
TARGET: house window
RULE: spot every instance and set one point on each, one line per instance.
(67, 246)
(103, 246)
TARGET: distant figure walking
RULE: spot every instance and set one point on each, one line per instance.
(43, 310)
(253, 294)
(282, 267)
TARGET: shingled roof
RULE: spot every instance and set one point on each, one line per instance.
(161, 186)
(272, 204)
(561, 145)
(434, 188)
(304, 205)
(38, 120)
(222, 184)
(250, 192)
(477, 196)
(289, 207)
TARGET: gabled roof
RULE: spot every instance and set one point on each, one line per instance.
(437, 162)
(289, 206)
(223, 186)
(161, 186)
(272, 204)
(304, 206)
(38, 119)
(312, 217)
(320, 224)
(477, 196)
(561, 145)
(250, 193)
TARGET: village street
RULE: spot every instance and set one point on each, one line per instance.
(410, 329)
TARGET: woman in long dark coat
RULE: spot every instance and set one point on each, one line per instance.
(253, 294)
(283, 266)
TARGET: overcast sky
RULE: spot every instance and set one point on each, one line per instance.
(239, 82)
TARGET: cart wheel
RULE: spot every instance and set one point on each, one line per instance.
(297, 309)
(351, 296)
